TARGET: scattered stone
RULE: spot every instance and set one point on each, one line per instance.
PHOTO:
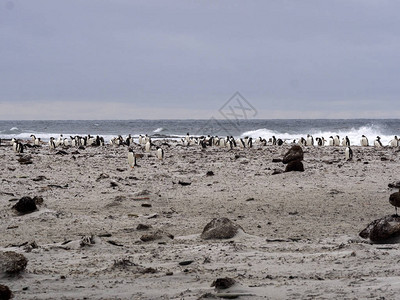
(113, 184)
(296, 165)
(12, 262)
(39, 178)
(277, 171)
(102, 176)
(185, 263)
(25, 205)
(5, 292)
(383, 230)
(139, 155)
(220, 228)
(143, 227)
(250, 199)
(223, 283)
(61, 152)
(294, 154)
(276, 160)
(184, 183)
(25, 160)
(146, 205)
(157, 235)
(210, 173)
(169, 273)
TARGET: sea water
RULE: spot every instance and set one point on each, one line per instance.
(175, 129)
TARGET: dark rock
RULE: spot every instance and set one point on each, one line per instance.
(146, 205)
(276, 160)
(25, 160)
(102, 176)
(25, 205)
(157, 235)
(113, 184)
(39, 178)
(295, 153)
(61, 152)
(394, 199)
(143, 227)
(5, 292)
(12, 262)
(210, 173)
(383, 230)
(394, 185)
(296, 165)
(185, 263)
(220, 228)
(184, 183)
(223, 283)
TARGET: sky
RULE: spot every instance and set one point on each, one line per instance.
(98, 59)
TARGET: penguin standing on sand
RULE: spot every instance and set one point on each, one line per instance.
(377, 142)
(131, 158)
(349, 153)
(52, 144)
(394, 142)
(148, 146)
(364, 141)
(160, 153)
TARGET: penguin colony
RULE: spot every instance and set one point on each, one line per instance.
(145, 142)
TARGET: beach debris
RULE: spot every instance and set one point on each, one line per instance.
(26, 204)
(25, 160)
(383, 230)
(156, 235)
(12, 263)
(220, 228)
(223, 283)
(296, 165)
(294, 154)
(5, 292)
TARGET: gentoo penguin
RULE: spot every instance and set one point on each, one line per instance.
(131, 158)
(250, 143)
(394, 142)
(241, 143)
(331, 141)
(364, 141)
(336, 140)
(377, 142)
(52, 144)
(147, 147)
(310, 140)
(346, 141)
(128, 140)
(160, 153)
(319, 141)
(349, 153)
(273, 140)
(394, 199)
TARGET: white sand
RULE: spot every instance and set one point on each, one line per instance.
(301, 229)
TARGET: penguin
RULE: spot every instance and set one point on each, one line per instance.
(65, 142)
(273, 140)
(131, 158)
(331, 141)
(160, 153)
(319, 141)
(187, 137)
(233, 141)
(222, 143)
(348, 153)
(140, 139)
(203, 144)
(394, 142)
(241, 143)
(279, 142)
(336, 140)
(310, 140)
(377, 142)
(147, 147)
(302, 141)
(250, 143)
(229, 144)
(128, 140)
(364, 141)
(52, 144)
(14, 144)
(346, 141)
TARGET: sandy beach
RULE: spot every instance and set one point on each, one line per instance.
(300, 238)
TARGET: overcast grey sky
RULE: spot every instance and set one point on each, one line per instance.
(184, 59)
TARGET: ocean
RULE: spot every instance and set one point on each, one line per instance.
(175, 129)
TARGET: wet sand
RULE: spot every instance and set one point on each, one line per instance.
(301, 228)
